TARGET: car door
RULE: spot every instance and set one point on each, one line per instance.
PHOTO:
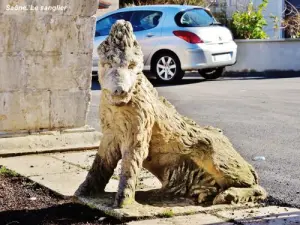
(103, 28)
(147, 29)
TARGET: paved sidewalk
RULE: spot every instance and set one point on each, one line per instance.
(272, 215)
(64, 172)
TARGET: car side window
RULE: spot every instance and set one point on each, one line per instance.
(145, 20)
(103, 26)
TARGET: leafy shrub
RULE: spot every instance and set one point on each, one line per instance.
(250, 24)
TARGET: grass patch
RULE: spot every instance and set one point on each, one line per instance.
(190, 213)
(7, 172)
(115, 177)
(167, 213)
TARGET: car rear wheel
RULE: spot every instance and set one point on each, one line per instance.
(167, 68)
(211, 74)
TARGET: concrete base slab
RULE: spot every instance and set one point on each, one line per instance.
(49, 141)
(149, 204)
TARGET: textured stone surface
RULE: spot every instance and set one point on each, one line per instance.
(69, 108)
(12, 67)
(33, 110)
(59, 72)
(73, 7)
(51, 71)
(60, 33)
(45, 64)
(24, 110)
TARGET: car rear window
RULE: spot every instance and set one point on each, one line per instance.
(145, 20)
(103, 26)
(194, 18)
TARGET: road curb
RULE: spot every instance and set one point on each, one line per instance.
(49, 141)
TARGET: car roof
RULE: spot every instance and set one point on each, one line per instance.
(149, 7)
(168, 6)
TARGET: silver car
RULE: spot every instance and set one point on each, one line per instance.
(174, 39)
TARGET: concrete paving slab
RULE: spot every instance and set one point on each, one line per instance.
(64, 172)
(197, 219)
(35, 165)
(272, 215)
(63, 183)
(83, 159)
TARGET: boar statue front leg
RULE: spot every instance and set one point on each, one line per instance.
(102, 169)
(132, 163)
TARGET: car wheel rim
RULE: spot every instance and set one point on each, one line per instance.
(166, 68)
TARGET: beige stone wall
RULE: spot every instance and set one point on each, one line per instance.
(45, 63)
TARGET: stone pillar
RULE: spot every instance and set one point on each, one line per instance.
(45, 70)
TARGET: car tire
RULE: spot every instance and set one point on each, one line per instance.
(167, 69)
(212, 74)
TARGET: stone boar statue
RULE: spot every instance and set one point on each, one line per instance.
(145, 130)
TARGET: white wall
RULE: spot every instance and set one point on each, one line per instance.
(274, 7)
(264, 55)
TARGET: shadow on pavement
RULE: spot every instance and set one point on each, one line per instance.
(69, 213)
(72, 213)
(184, 81)
(260, 75)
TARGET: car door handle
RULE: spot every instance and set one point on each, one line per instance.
(150, 35)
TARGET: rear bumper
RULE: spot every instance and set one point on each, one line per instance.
(203, 56)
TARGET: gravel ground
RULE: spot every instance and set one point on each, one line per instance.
(25, 202)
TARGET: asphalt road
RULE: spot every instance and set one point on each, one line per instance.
(261, 116)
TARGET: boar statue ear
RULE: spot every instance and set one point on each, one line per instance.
(120, 37)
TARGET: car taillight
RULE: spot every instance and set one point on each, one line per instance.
(188, 36)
